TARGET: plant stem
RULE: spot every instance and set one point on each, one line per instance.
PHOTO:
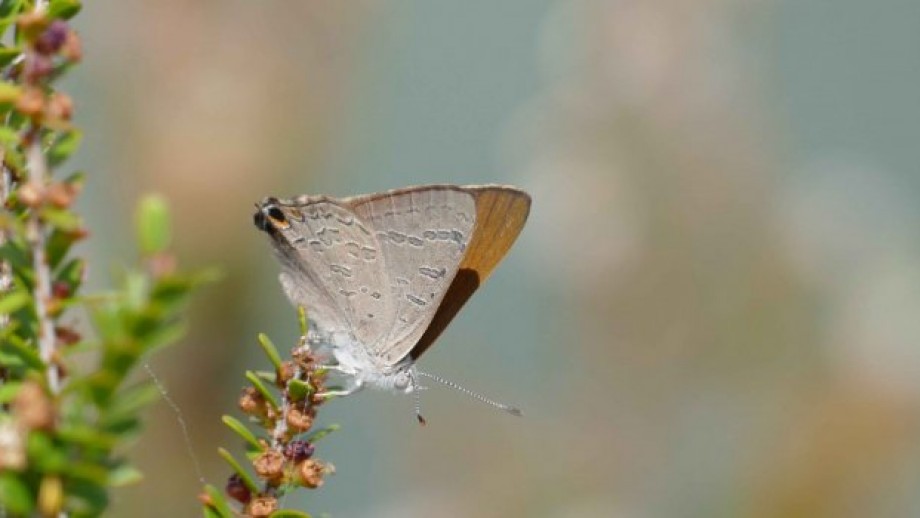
(36, 234)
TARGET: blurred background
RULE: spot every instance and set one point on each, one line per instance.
(713, 310)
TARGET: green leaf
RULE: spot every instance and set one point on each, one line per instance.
(289, 513)
(319, 434)
(61, 218)
(92, 473)
(44, 455)
(268, 376)
(241, 430)
(14, 300)
(153, 226)
(81, 434)
(59, 244)
(299, 390)
(8, 136)
(63, 147)
(218, 505)
(125, 475)
(302, 320)
(24, 351)
(238, 469)
(15, 494)
(86, 498)
(64, 9)
(8, 391)
(165, 334)
(135, 289)
(267, 394)
(10, 7)
(9, 92)
(72, 273)
(270, 350)
(8, 54)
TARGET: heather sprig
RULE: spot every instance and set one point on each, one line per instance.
(281, 406)
(67, 410)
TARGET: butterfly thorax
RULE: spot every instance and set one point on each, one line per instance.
(364, 369)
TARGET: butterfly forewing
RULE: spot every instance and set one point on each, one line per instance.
(341, 266)
(423, 234)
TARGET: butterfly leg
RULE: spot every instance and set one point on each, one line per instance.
(347, 391)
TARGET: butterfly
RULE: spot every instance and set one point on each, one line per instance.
(382, 275)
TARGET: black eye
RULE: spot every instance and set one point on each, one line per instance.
(276, 214)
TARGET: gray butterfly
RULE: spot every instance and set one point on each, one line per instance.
(382, 275)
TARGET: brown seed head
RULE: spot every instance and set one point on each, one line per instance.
(304, 357)
(261, 507)
(72, 48)
(31, 194)
(300, 420)
(285, 373)
(60, 107)
(310, 473)
(32, 407)
(31, 102)
(270, 466)
(252, 402)
(61, 194)
(66, 335)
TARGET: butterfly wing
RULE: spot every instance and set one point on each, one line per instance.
(501, 212)
(333, 265)
(424, 234)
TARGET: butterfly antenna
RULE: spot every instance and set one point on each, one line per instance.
(501, 406)
(418, 407)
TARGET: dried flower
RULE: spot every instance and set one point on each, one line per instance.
(31, 102)
(285, 372)
(60, 107)
(304, 357)
(310, 473)
(31, 194)
(66, 335)
(262, 507)
(61, 194)
(72, 48)
(270, 465)
(32, 407)
(253, 403)
(300, 420)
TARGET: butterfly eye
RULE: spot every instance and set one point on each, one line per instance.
(277, 217)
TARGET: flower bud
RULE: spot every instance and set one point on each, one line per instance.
(238, 490)
(298, 450)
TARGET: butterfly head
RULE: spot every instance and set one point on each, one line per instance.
(269, 216)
